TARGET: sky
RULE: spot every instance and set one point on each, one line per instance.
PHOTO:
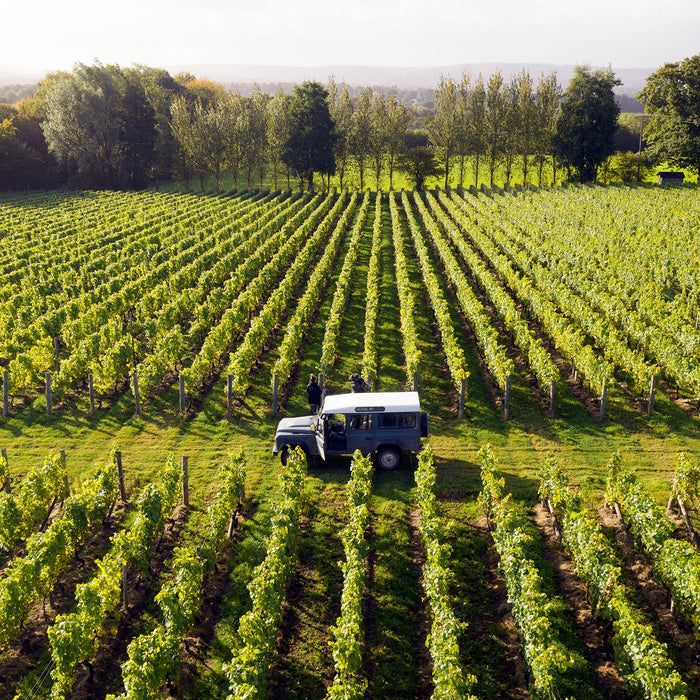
(52, 35)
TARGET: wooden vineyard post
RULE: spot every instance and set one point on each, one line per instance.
(65, 478)
(275, 390)
(185, 481)
(137, 401)
(603, 402)
(48, 393)
(5, 392)
(91, 392)
(55, 348)
(229, 395)
(232, 519)
(7, 487)
(120, 475)
(671, 498)
(462, 394)
(553, 400)
(652, 389)
(574, 371)
(181, 382)
(415, 381)
(688, 524)
(506, 400)
(321, 379)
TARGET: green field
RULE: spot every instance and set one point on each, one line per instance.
(635, 247)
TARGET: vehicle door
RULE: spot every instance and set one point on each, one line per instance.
(361, 435)
(320, 431)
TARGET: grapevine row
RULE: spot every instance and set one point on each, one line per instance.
(538, 359)
(499, 364)
(406, 299)
(31, 503)
(153, 656)
(30, 578)
(298, 323)
(247, 671)
(569, 340)
(342, 291)
(347, 633)
(72, 636)
(676, 563)
(553, 665)
(373, 296)
(449, 678)
(262, 325)
(441, 309)
(642, 659)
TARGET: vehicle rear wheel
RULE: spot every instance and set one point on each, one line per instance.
(388, 458)
(284, 455)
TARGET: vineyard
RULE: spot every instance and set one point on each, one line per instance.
(553, 337)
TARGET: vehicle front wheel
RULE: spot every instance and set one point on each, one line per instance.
(388, 458)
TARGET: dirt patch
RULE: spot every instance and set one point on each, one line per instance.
(594, 633)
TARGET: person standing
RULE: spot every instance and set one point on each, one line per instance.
(357, 384)
(313, 392)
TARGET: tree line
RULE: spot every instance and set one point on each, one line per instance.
(103, 126)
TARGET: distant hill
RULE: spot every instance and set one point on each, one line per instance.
(633, 79)
(408, 78)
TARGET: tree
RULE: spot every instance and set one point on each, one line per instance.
(233, 122)
(495, 122)
(277, 130)
(254, 134)
(546, 114)
(361, 134)
(672, 95)
(464, 124)
(444, 130)
(511, 133)
(397, 118)
(312, 139)
(527, 119)
(477, 124)
(378, 139)
(200, 133)
(586, 126)
(90, 128)
(419, 163)
(341, 110)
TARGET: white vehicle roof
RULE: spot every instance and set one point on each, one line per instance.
(372, 401)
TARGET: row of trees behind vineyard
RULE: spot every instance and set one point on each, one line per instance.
(108, 127)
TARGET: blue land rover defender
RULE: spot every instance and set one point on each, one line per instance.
(384, 424)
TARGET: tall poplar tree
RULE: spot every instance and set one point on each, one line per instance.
(361, 135)
(477, 124)
(444, 129)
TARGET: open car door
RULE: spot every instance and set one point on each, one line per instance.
(320, 431)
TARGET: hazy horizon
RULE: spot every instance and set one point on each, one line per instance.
(46, 36)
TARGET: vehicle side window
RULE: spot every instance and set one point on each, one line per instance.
(388, 420)
(360, 422)
(407, 420)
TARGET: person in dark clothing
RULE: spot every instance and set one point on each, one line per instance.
(357, 384)
(313, 391)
